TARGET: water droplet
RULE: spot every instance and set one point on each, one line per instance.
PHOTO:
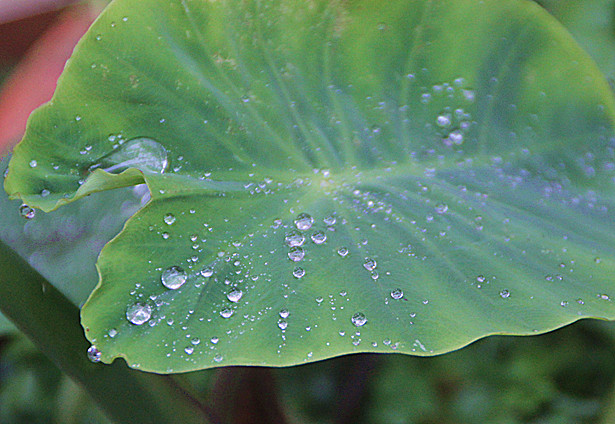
(298, 272)
(169, 219)
(33, 163)
(189, 350)
(304, 222)
(343, 252)
(218, 358)
(26, 211)
(359, 319)
(235, 295)
(294, 238)
(505, 294)
(330, 220)
(112, 333)
(207, 272)
(141, 153)
(139, 313)
(284, 313)
(296, 254)
(444, 120)
(397, 294)
(195, 341)
(456, 137)
(226, 313)
(480, 278)
(282, 324)
(369, 264)
(94, 354)
(214, 340)
(174, 277)
(468, 95)
(441, 208)
(319, 237)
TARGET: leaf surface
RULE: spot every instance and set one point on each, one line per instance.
(332, 177)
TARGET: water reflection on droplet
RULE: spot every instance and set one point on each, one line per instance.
(174, 277)
(139, 313)
(359, 319)
(94, 354)
(142, 153)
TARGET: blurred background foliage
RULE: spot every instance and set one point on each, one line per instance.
(567, 376)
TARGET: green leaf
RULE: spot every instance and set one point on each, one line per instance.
(592, 23)
(460, 181)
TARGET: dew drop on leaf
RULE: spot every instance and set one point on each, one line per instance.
(139, 313)
(189, 350)
(282, 324)
(397, 294)
(342, 251)
(141, 153)
(226, 313)
(304, 222)
(319, 237)
(284, 313)
(296, 254)
(174, 277)
(369, 264)
(441, 208)
(294, 238)
(207, 272)
(26, 211)
(94, 354)
(112, 333)
(330, 220)
(505, 294)
(218, 358)
(298, 272)
(169, 219)
(235, 295)
(359, 319)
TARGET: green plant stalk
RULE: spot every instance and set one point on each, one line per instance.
(52, 322)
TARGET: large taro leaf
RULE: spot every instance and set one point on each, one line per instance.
(454, 159)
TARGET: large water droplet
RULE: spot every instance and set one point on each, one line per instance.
(298, 272)
(370, 264)
(296, 254)
(282, 324)
(397, 294)
(169, 219)
(330, 220)
(294, 238)
(142, 153)
(304, 222)
(359, 319)
(174, 277)
(94, 354)
(319, 237)
(226, 313)
(235, 295)
(139, 313)
(441, 208)
(284, 313)
(207, 272)
(26, 211)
